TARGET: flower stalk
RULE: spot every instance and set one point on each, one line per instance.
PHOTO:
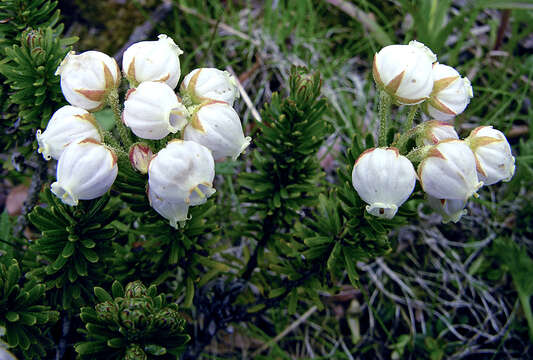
(113, 101)
(385, 102)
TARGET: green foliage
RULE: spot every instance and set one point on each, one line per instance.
(24, 315)
(132, 323)
(18, 15)
(153, 250)
(340, 232)
(29, 68)
(70, 255)
(520, 266)
(286, 169)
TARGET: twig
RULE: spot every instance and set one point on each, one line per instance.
(221, 25)
(142, 31)
(37, 180)
(234, 313)
(245, 96)
(365, 19)
(252, 262)
(287, 330)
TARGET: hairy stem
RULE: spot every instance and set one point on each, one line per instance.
(384, 116)
(113, 102)
(411, 117)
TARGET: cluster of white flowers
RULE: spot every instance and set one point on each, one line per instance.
(449, 170)
(181, 174)
(412, 75)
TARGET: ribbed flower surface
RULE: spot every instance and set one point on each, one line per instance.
(449, 171)
(217, 126)
(451, 93)
(494, 159)
(68, 124)
(153, 61)
(405, 72)
(85, 171)
(87, 78)
(153, 110)
(384, 179)
(207, 84)
(182, 172)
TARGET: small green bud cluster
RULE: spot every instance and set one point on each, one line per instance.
(139, 323)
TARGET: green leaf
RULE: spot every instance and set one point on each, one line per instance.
(189, 293)
(350, 268)
(12, 316)
(89, 254)
(117, 290)
(68, 250)
(102, 295)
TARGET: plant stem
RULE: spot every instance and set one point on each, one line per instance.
(113, 102)
(252, 262)
(384, 114)
(411, 117)
(110, 140)
(416, 155)
(403, 139)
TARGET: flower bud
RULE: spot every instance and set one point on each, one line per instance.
(140, 155)
(449, 171)
(450, 209)
(86, 170)
(175, 212)
(207, 84)
(217, 126)
(87, 78)
(182, 172)
(405, 72)
(153, 110)
(450, 95)
(153, 61)
(432, 132)
(68, 124)
(494, 160)
(384, 179)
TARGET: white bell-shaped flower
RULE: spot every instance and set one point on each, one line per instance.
(405, 72)
(449, 171)
(492, 151)
(217, 126)
(207, 84)
(153, 110)
(68, 124)
(432, 132)
(86, 170)
(384, 179)
(450, 209)
(175, 212)
(451, 93)
(87, 78)
(182, 172)
(153, 61)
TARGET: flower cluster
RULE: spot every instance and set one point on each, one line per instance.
(179, 175)
(411, 75)
(449, 170)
